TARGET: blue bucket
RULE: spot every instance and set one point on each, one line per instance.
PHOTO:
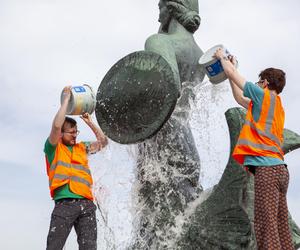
(212, 66)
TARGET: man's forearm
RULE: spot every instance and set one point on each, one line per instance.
(100, 136)
(61, 113)
(60, 116)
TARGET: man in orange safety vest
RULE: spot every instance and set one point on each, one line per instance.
(70, 179)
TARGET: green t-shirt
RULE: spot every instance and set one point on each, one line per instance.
(256, 94)
(63, 191)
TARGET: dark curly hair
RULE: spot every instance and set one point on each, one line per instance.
(275, 77)
(70, 121)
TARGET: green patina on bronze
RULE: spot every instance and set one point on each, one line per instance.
(168, 165)
(136, 97)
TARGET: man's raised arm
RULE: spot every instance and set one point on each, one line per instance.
(60, 117)
(101, 138)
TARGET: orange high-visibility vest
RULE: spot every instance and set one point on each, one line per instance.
(71, 168)
(264, 137)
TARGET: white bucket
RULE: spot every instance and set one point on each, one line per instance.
(82, 100)
(212, 66)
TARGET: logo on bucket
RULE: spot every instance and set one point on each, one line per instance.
(79, 89)
(215, 68)
(82, 100)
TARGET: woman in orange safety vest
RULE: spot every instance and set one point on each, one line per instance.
(259, 149)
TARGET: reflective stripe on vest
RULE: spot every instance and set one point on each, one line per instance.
(259, 146)
(66, 177)
(266, 133)
(69, 165)
(269, 121)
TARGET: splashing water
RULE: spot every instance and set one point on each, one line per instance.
(210, 130)
(116, 189)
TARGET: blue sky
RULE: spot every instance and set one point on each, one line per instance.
(47, 44)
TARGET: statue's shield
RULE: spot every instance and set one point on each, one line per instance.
(136, 97)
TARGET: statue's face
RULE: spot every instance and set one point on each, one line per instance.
(164, 15)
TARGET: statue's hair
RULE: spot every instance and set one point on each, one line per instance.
(186, 12)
